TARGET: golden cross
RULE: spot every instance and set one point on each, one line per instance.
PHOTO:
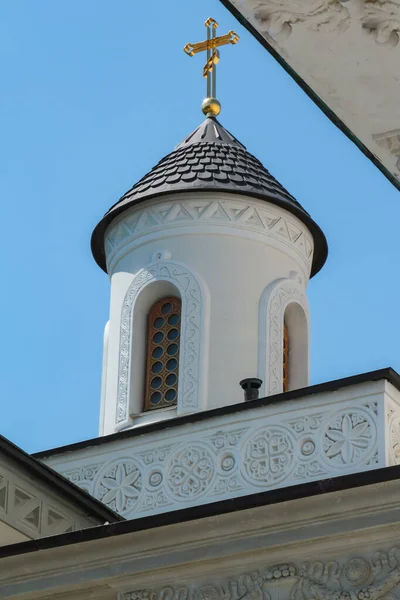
(211, 105)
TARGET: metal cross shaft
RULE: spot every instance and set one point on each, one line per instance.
(210, 46)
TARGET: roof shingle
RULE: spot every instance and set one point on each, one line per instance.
(210, 159)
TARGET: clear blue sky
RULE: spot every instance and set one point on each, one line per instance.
(94, 93)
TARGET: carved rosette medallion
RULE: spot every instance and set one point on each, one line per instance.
(227, 462)
(190, 471)
(119, 485)
(207, 592)
(349, 437)
(357, 571)
(307, 447)
(268, 456)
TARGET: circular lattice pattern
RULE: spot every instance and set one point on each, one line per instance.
(268, 456)
(190, 471)
(163, 353)
(119, 485)
(349, 437)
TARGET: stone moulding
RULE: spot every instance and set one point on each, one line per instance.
(193, 350)
(368, 577)
(27, 508)
(379, 18)
(277, 17)
(262, 449)
(382, 20)
(390, 140)
(227, 212)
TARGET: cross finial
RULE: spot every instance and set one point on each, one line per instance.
(210, 106)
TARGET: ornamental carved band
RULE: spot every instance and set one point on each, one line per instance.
(230, 213)
(208, 461)
(29, 509)
(274, 301)
(373, 577)
(192, 325)
(278, 18)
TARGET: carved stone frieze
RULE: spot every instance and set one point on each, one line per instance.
(239, 214)
(250, 452)
(373, 577)
(382, 20)
(277, 17)
(119, 485)
(268, 455)
(30, 510)
(390, 140)
(347, 52)
(191, 469)
(393, 424)
(348, 436)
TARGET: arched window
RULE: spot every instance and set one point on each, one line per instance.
(285, 362)
(283, 355)
(162, 365)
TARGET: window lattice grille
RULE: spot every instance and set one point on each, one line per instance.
(163, 337)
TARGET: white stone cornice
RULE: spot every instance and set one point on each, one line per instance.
(355, 70)
(32, 510)
(369, 577)
(320, 536)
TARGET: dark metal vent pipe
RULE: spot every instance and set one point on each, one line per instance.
(250, 386)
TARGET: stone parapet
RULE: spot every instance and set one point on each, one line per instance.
(228, 453)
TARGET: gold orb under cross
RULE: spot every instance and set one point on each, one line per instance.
(211, 107)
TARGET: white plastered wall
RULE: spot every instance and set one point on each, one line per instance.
(228, 247)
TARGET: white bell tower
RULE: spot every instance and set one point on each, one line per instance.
(209, 258)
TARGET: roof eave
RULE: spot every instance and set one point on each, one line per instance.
(320, 243)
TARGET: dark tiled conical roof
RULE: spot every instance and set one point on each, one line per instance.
(210, 159)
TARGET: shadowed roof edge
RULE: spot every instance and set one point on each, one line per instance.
(210, 159)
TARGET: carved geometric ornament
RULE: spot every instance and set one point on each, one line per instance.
(226, 460)
(233, 213)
